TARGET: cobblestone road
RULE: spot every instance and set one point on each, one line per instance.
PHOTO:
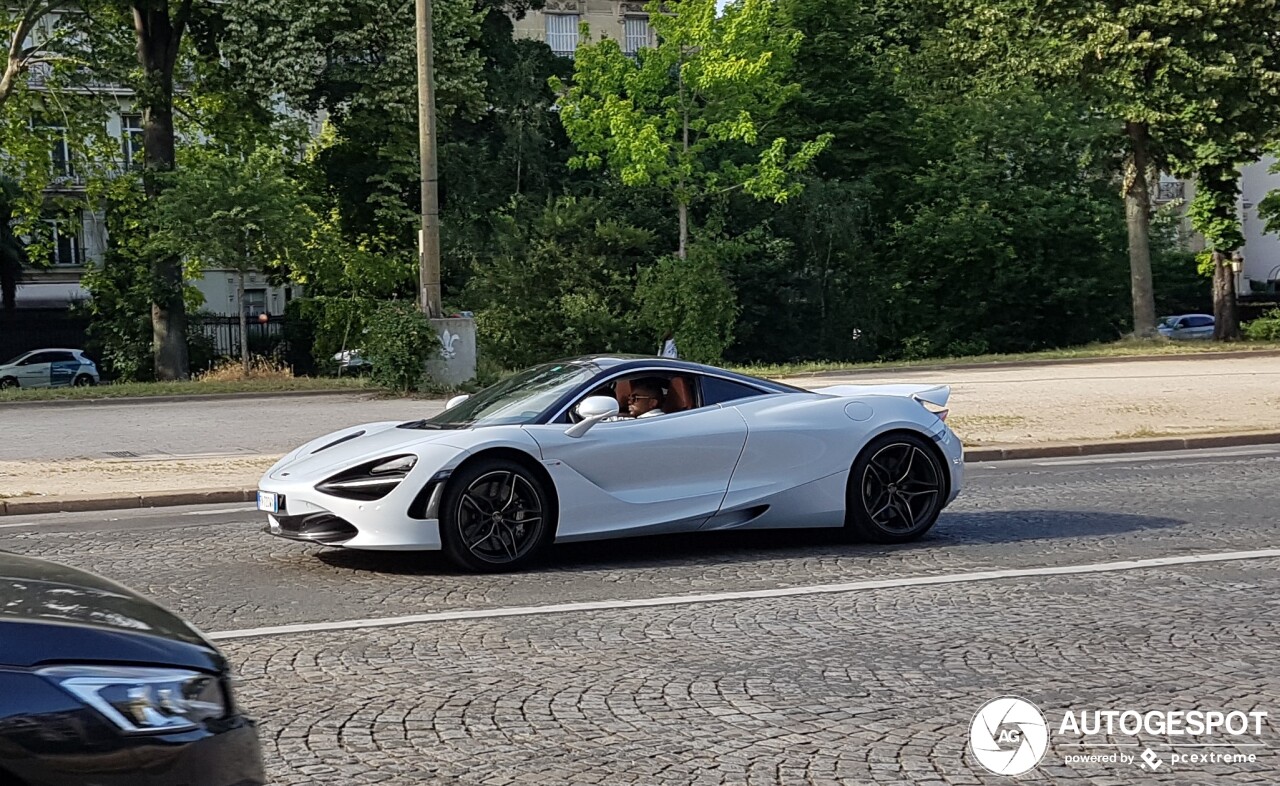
(870, 686)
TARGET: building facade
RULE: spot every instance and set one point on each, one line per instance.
(75, 235)
(559, 24)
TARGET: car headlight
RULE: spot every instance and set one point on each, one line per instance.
(371, 480)
(142, 699)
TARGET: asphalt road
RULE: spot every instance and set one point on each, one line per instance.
(258, 425)
(1078, 584)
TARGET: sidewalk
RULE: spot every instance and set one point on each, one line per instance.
(999, 412)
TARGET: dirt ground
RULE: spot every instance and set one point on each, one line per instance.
(989, 406)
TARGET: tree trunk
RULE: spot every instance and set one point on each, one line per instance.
(158, 39)
(1226, 319)
(244, 324)
(1137, 199)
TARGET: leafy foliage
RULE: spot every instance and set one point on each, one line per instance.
(693, 298)
(562, 283)
(691, 115)
(1264, 328)
(396, 343)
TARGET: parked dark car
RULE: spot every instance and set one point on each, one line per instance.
(99, 685)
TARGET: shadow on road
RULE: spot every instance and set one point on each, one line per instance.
(722, 548)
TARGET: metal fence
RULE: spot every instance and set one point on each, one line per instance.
(223, 335)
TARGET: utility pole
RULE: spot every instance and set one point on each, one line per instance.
(429, 238)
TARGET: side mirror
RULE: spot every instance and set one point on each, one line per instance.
(592, 410)
(456, 400)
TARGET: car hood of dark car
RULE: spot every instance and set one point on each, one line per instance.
(56, 604)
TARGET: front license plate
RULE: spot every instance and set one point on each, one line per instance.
(269, 501)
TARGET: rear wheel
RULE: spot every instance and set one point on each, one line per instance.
(495, 516)
(83, 381)
(897, 488)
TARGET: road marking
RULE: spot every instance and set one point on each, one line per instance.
(718, 597)
(24, 524)
(218, 511)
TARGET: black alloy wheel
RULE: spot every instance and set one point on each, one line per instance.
(8, 382)
(897, 488)
(495, 516)
(83, 381)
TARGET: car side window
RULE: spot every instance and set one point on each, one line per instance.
(39, 357)
(718, 391)
(1196, 322)
(62, 357)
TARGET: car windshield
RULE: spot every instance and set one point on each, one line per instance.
(14, 359)
(515, 400)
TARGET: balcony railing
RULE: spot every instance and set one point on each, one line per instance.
(40, 74)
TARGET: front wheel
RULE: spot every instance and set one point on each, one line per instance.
(8, 382)
(495, 516)
(897, 488)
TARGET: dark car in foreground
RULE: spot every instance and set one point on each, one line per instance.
(101, 686)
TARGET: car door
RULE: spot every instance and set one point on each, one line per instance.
(33, 372)
(63, 367)
(657, 474)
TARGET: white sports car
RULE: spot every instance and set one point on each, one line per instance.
(544, 456)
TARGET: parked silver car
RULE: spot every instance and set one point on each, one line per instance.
(49, 368)
(1187, 327)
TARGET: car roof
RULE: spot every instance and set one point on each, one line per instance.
(620, 362)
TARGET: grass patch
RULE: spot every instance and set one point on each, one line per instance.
(1130, 348)
(191, 388)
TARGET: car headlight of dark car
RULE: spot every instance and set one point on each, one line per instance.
(143, 699)
(371, 480)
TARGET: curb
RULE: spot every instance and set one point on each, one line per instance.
(82, 503)
(1015, 364)
(180, 397)
(77, 503)
(1065, 449)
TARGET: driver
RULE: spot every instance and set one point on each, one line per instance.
(646, 399)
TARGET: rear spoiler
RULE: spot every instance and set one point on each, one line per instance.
(936, 395)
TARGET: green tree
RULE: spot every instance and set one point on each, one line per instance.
(13, 252)
(1143, 64)
(692, 114)
(222, 210)
(23, 50)
(562, 282)
(1225, 124)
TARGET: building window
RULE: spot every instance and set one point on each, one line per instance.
(255, 302)
(66, 245)
(637, 34)
(61, 166)
(131, 139)
(562, 33)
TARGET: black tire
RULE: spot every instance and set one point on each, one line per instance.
(8, 382)
(82, 381)
(495, 516)
(897, 488)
